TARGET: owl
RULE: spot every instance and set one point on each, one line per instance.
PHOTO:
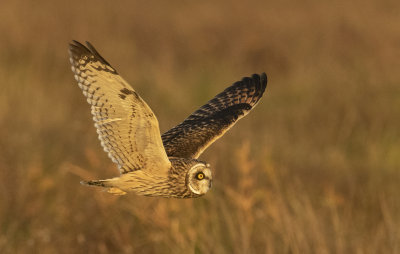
(151, 164)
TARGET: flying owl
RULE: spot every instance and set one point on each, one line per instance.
(151, 164)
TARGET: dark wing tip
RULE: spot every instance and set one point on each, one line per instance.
(95, 53)
(258, 82)
(77, 50)
(263, 82)
(262, 79)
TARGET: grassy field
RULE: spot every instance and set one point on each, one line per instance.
(315, 168)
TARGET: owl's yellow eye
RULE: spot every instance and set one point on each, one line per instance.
(200, 176)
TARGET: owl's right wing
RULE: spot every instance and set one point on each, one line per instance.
(127, 127)
(204, 126)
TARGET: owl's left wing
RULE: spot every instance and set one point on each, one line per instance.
(127, 127)
(204, 126)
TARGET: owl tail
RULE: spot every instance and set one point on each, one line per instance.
(104, 183)
(101, 183)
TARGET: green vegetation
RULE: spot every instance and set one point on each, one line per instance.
(315, 168)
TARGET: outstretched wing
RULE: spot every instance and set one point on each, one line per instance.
(127, 128)
(191, 137)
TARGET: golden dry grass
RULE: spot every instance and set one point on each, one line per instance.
(314, 169)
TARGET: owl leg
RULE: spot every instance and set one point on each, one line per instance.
(116, 191)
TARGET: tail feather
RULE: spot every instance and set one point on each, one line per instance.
(104, 183)
(101, 183)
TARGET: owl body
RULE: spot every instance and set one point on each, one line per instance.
(151, 164)
(180, 181)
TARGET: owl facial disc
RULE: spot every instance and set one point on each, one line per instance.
(199, 179)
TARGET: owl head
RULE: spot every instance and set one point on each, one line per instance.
(199, 178)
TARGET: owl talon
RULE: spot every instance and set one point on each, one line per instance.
(116, 191)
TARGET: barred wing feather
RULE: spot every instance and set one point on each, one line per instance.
(204, 126)
(127, 127)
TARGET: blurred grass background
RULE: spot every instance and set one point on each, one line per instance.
(313, 169)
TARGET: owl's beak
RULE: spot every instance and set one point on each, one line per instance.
(210, 184)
